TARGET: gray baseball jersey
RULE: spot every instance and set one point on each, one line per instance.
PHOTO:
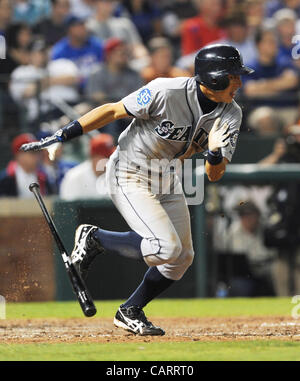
(167, 119)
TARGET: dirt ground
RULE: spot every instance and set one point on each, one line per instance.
(184, 329)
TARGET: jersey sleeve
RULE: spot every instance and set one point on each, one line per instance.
(234, 122)
(146, 102)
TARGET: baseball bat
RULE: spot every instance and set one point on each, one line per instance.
(79, 287)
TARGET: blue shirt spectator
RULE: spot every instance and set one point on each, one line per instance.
(84, 50)
(272, 71)
(274, 82)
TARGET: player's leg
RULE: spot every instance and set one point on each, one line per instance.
(154, 238)
(159, 244)
(158, 278)
(178, 211)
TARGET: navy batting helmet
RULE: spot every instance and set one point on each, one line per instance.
(214, 63)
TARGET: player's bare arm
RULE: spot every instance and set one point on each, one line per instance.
(102, 115)
(94, 119)
(215, 172)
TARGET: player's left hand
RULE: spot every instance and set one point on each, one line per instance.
(218, 137)
(43, 143)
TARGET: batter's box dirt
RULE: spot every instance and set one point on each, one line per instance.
(177, 329)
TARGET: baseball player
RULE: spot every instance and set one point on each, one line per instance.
(171, 118)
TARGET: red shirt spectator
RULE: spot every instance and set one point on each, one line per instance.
(203, 29)
(22, 171)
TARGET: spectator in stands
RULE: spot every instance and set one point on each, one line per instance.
(84, 50)
(237, 34)
(18, 39)
(105, 26)
(282, 230)
(54, 28)
(38, 86)
(245, 236)
(175, 12)
(22, 171)
(287, 148)
(279, 150)
(285, 21)
(87, 180)
(274, 82)
(263, 121)
(31, 11)
(146, 16)
(161, 61)
(57, 168)
(112, 80)
(83, 8)
(202, 29)
(273, 6)
(5, 15)
(255, 13)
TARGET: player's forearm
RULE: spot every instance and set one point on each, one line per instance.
(215, 172)
(92, 120)
(102, 115)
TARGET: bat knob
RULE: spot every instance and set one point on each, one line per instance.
(90, 311)
(32, 186)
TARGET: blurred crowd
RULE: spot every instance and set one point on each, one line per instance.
(64, 57)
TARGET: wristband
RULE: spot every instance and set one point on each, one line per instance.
(214, 158)
(70, 131)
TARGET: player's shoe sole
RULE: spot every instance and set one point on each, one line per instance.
(85, 248)
(133, 319)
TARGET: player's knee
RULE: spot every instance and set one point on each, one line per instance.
(184, 262)
(188, 257)
(168, 251)
(177, 269)
(173, 250)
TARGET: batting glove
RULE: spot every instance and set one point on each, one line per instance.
(70, 131)
(43, 143)
(217, 137)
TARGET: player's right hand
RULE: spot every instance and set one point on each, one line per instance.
(218, 137)
(42, 144)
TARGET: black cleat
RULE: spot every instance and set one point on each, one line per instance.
(85, 249)
(133, 319)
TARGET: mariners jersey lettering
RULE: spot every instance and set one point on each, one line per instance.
(167, 130)
(168, 117)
